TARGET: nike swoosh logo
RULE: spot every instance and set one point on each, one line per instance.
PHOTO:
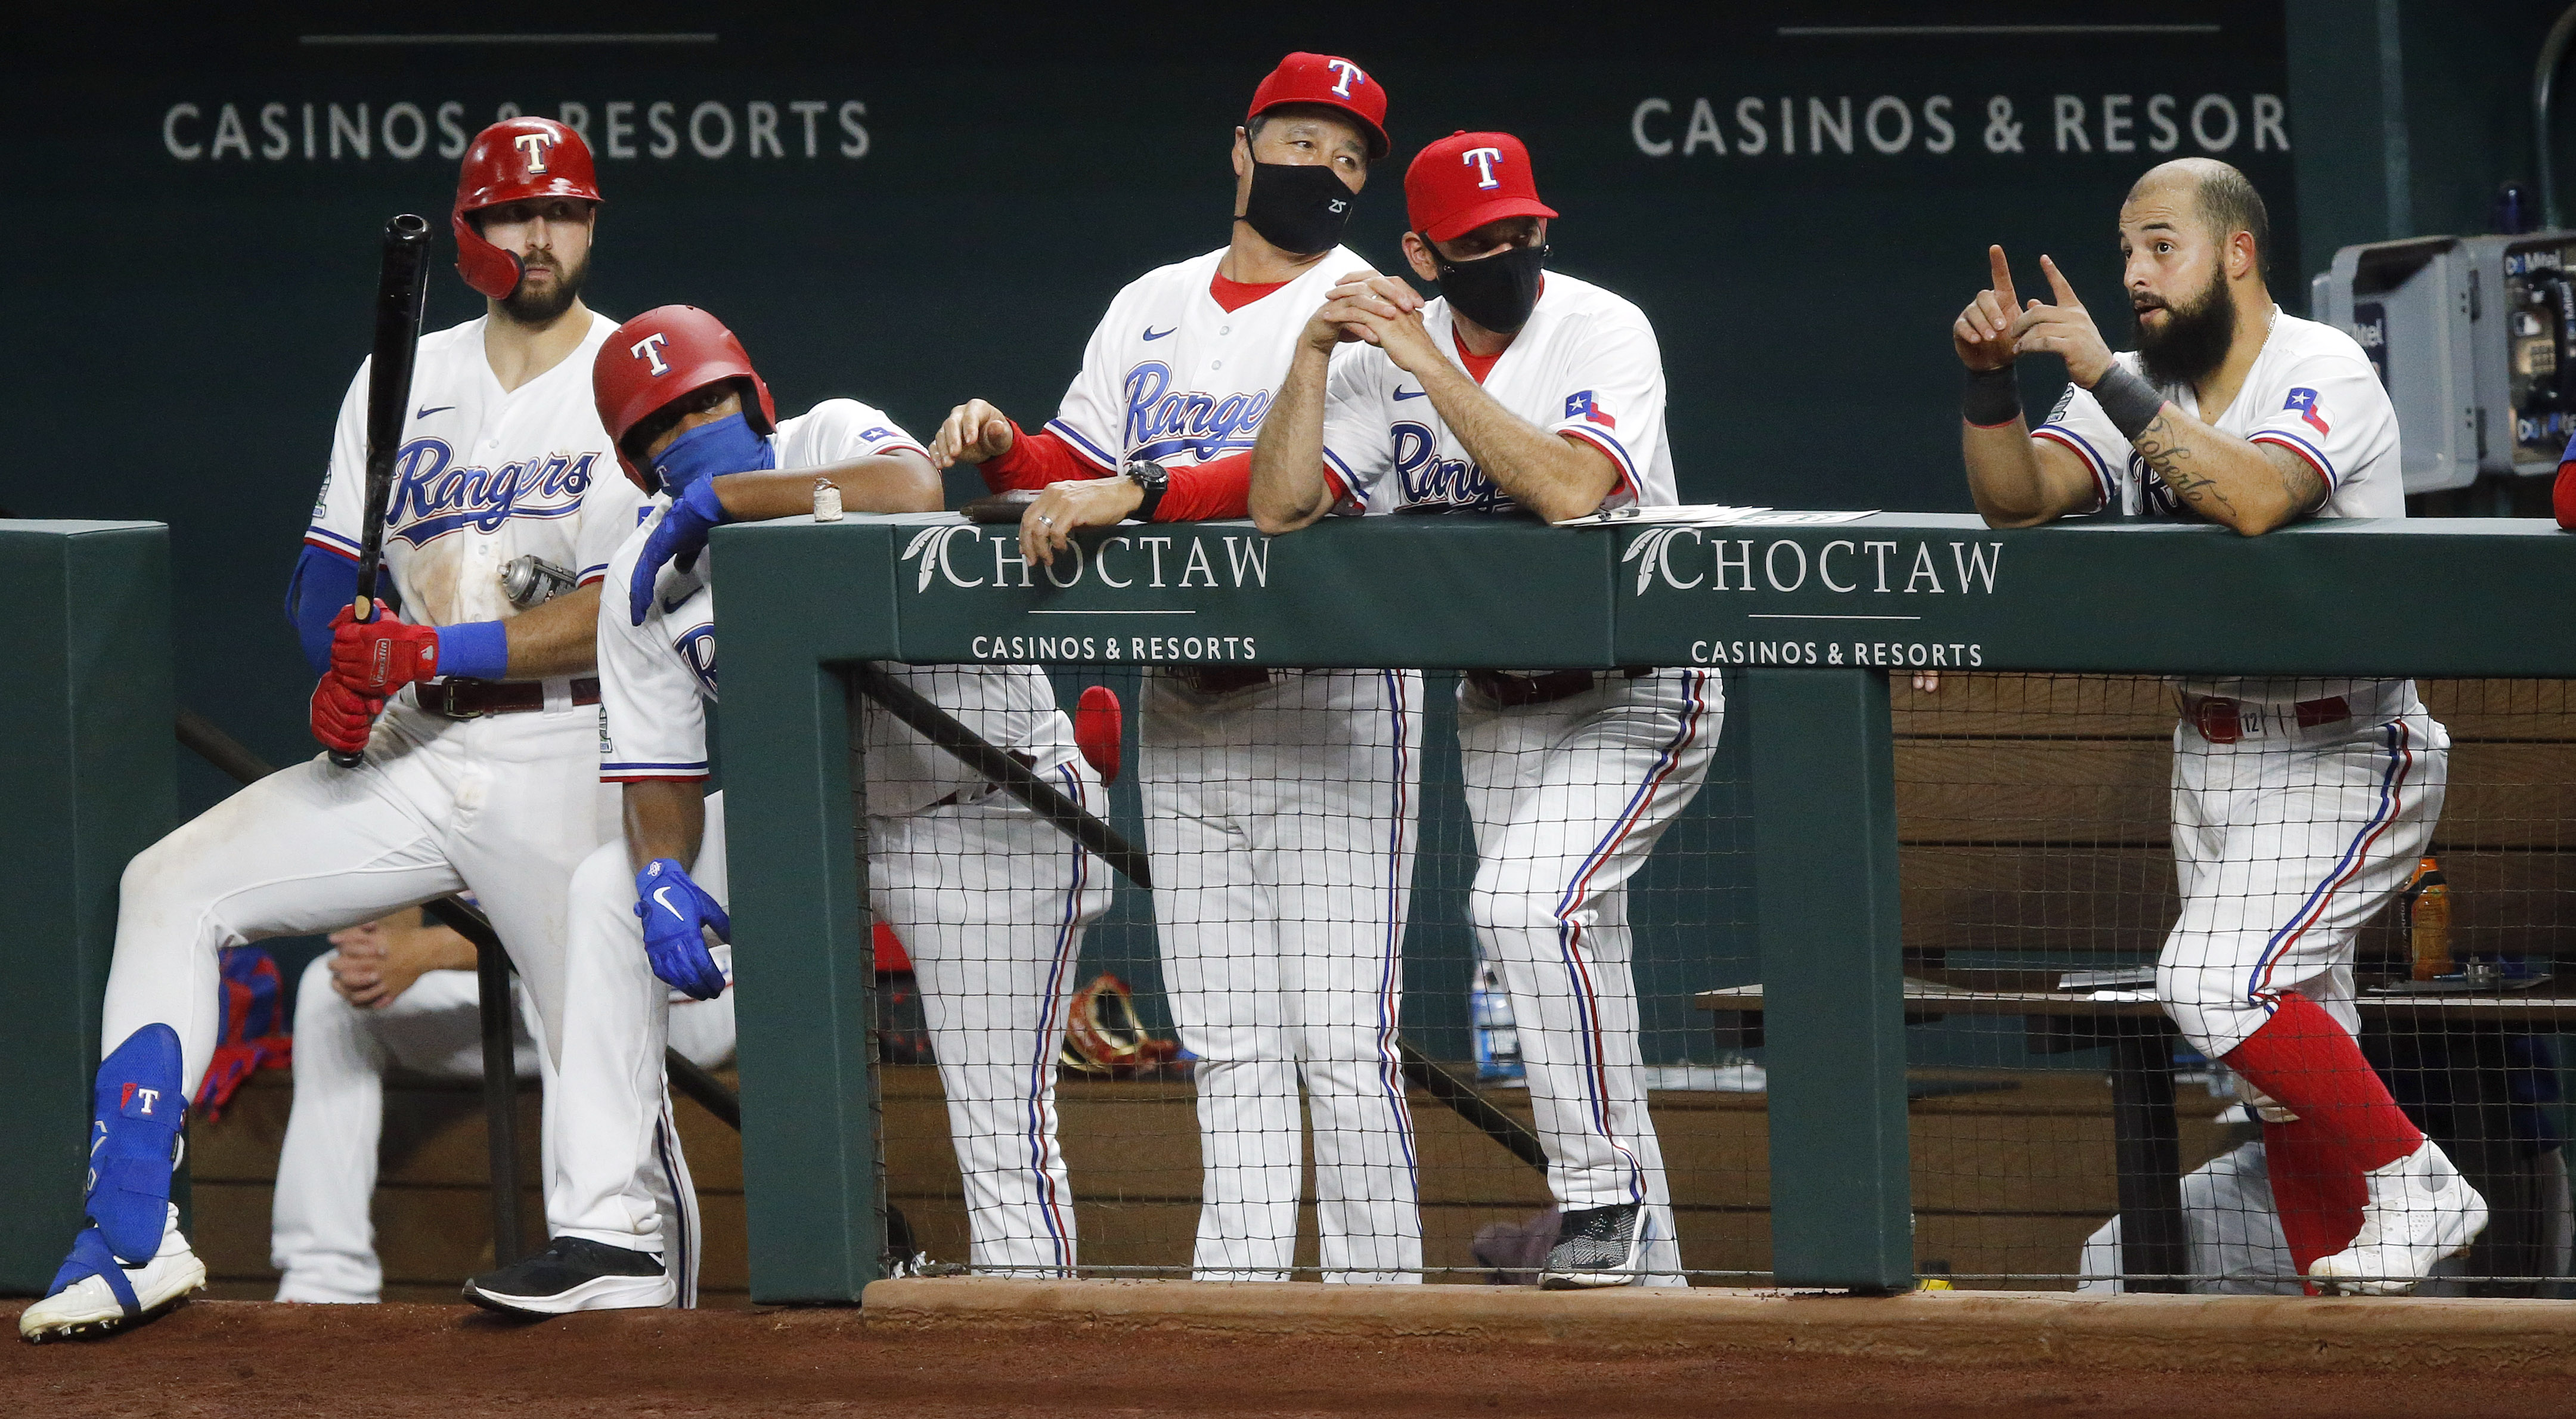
(441, 409)
(1411, 393)
(1153, 334)
(663, 896)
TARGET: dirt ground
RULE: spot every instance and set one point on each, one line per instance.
(223, 1358)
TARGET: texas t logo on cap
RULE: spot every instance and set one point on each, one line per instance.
(535, 145)
(1468, 179)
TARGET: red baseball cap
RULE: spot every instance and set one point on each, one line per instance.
(1468, 179)
(1331, 82)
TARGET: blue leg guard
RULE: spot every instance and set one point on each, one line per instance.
(134, 1143)
(90, 1257)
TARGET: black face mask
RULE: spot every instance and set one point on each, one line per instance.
(1497, 292)
(1299, 208)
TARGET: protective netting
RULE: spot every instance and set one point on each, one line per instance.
(2083, 1138)
(1382, 907)
(1306, 1053)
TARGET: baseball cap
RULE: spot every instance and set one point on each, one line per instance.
(1468, 179)
(1332, 82)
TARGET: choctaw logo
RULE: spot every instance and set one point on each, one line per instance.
(1180, 561)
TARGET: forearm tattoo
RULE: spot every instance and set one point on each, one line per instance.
(2160, 444)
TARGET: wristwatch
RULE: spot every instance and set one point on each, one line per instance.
(1154, 479)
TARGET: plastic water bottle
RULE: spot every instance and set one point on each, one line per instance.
(1498, 1038)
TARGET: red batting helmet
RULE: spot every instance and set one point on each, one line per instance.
(666, 354)
(514, 160)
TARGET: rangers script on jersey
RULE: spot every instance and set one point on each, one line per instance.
(483, 476)
(1585, 365)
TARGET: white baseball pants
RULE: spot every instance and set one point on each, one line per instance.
(1568, 799)
(504, 807)
(2286, 843)
(1281, 823)
(989, 900)
(321, 1235)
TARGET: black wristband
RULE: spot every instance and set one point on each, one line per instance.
(1153, 480)
(2127, 400)
(1992, 398)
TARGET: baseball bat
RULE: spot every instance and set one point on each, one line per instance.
(1004, 772)
(402, 279)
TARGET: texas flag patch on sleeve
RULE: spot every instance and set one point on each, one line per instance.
(1581, 406)
(2305, 402)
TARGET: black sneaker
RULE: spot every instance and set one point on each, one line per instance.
(574, 1274)
(1598, 1246)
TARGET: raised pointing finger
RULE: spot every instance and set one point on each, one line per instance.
(2057, 283)
(1999, 273)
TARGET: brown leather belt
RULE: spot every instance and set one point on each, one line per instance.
(1514, 691)
(2222, 721)
(1215, 680)
(473, 699)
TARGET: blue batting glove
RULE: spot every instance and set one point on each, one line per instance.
(679, 536)
(676, 912)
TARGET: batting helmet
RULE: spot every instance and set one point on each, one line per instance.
(514, 160)
(660, 357)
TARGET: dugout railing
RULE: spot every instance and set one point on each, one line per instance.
(1809, 617)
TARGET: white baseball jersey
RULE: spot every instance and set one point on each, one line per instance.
(1173, 376)
(2311, 391)
(484, 476)
(654, 678)
(1586, 365)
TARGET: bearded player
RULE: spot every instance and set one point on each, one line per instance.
(1279, 804)
(1523, 389)
(480, 768)
(989, 898)
(2300, 805)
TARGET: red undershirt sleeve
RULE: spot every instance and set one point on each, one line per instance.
(1220, 487)
(1036, 460)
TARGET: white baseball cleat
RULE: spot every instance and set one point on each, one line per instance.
(87, 1301)
(2420, 1211)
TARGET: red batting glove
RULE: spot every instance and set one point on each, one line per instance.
(381, 656)
(343, 717)
(2563, 495)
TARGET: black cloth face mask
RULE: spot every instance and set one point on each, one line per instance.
(1299, 208)
(1497, 292)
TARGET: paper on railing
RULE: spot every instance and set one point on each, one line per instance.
(1711, 515)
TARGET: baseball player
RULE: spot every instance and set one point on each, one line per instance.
(1522, 388)
(2299, 804)
(480, 771)
(989, 898)
(1280, 805)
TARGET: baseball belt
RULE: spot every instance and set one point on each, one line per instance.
(1513, 691)
(980, 792)
(457, 698)
(2223, 721)
(1212, 680)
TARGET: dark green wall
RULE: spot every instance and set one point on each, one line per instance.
(2429, 106)
(194, 322)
